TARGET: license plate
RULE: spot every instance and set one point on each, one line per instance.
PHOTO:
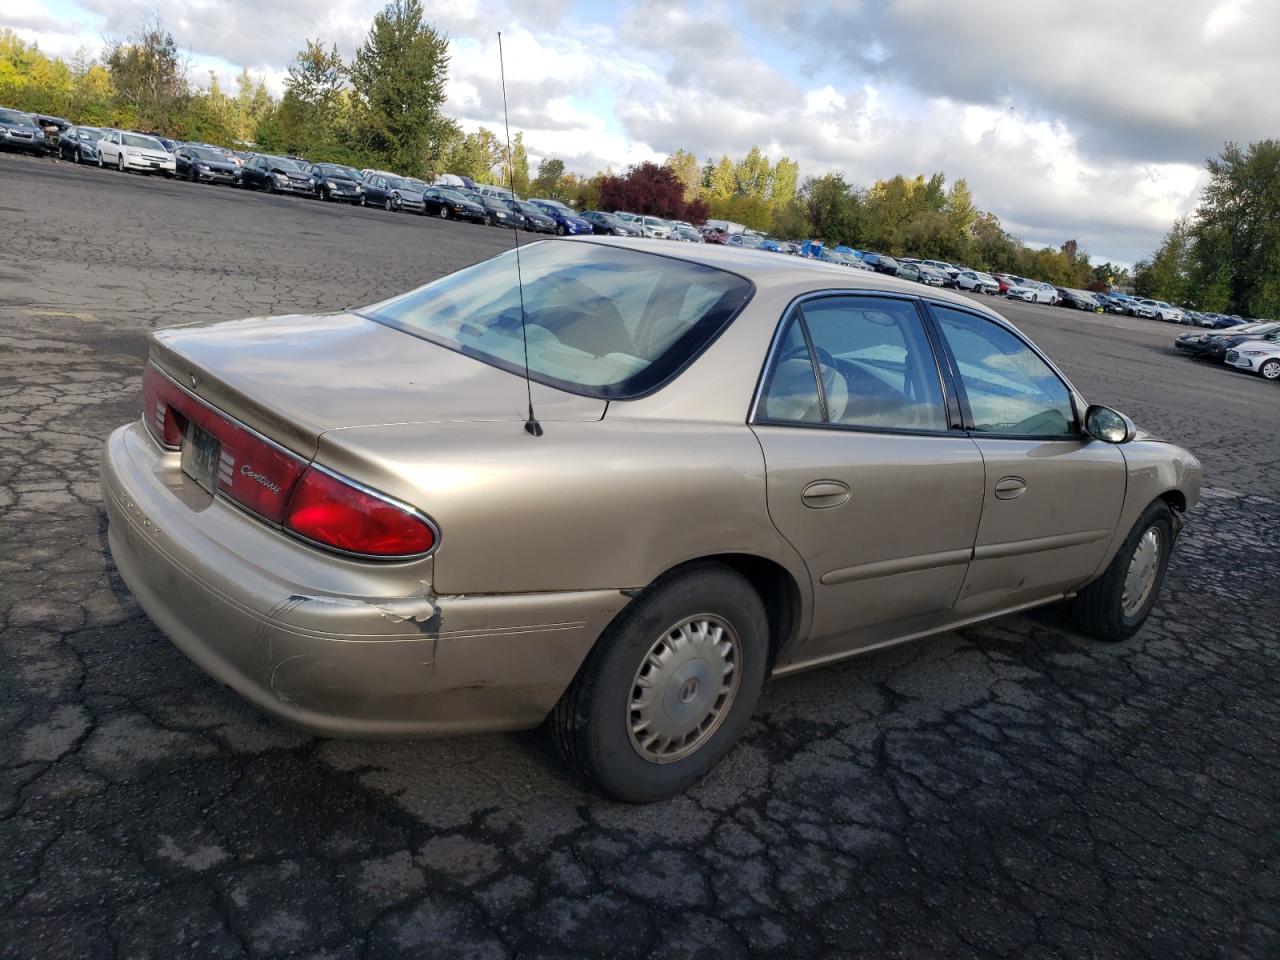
(201, 451)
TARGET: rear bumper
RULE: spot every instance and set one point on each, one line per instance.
(266, 616)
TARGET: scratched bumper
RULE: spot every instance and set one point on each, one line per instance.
(337, 647)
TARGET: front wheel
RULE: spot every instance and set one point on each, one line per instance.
(1115, 606)
(1270, 370)
(668, 688)
(387, 205)
(120, 163)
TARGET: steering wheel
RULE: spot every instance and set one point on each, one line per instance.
(825, 357)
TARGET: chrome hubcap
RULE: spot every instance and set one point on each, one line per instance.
(684, 688)
(1271, 370)
(1141, 576)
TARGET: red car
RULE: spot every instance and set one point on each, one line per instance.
(1006, 280)
(713, 235)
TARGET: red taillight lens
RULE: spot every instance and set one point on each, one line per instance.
(336, 514)
(164, 423)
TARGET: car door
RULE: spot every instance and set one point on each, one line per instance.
(866, 477)
(1052, 495)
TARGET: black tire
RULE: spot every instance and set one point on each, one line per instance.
(590, 725)
(119, 163)
(444, 212)
(191, 174)
(561, 230)
(1098, 608)
(1270, 370)
(270, 186)
(388, 206)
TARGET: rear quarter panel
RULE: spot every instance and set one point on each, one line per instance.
(605, 505)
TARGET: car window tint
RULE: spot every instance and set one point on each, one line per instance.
(791, 391)
(1010, 389)
(879, 363)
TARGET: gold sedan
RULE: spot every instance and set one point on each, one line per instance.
(618, 485)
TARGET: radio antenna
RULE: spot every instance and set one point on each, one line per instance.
(531, 426)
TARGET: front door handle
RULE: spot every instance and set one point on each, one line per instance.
(824, 494)
(1010, 488)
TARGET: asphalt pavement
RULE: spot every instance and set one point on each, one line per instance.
(1011, 789)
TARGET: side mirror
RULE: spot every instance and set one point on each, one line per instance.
(1103, 423)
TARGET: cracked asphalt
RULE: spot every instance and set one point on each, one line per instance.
(1011, 789)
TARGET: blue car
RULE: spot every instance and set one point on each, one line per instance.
(18, 131)
(567, 221)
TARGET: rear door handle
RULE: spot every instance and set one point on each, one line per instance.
(1010, 488)
(824, 494)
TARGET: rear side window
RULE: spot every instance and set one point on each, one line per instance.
(1010, 389)
(599, 320)
(869, 365)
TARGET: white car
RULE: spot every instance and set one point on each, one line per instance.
(135, 151)
(943, 266)
(1257, 356)
(977, 281)
(654, 229)
(1166, 312)
(1034, 291)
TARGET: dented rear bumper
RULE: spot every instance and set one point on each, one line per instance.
(340, 648)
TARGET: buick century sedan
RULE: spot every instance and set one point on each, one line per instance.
(614, 488)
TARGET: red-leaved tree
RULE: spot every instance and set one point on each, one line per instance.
(652, 189)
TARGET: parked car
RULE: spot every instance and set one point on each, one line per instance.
(1257, 356)
(1169, 314)
(1007, 281)
(451, 205)
(1078, 299)
(337, 182)
(489, 190)
(946, 269)
(919, 273)
(714, 235)
(687, 234)
(881, 263)
(536, 220)
(52, 128)
(277, 175)
(205, 165)
(1033, 291)
(407, 556)
(407, 193)
(496, 211)
(80, 144)
(1214, 346)
(607, 224)
(567, 221)
(977, 282)
(134, 151)
(744, 241)
(19, 131)
(654, 229)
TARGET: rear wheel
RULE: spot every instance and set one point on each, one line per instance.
(1115, 606)
(668, 688)
(1270, 370)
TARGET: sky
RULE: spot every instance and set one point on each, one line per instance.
(1087, 119)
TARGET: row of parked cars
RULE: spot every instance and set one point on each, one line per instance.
(1253, 347)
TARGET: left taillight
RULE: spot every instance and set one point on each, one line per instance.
(332, 512)
(159, 412)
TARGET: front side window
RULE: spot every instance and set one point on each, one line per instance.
(599, 320)
(1010, 389)
(876, 367)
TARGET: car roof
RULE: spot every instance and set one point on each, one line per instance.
(800, 275)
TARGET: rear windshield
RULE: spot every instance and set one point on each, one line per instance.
(600, 321)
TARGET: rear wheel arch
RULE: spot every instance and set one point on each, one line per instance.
(776, 586)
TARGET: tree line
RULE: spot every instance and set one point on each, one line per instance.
(385, 109)
(1225, 257)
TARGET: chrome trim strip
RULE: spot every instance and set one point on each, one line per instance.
(889, 568)
(1016, 548)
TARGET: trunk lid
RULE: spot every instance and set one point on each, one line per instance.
(294, 377)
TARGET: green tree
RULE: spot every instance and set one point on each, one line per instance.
(785, 178)
(685, 166)
(723, 182)
(547, 182)
(148, 75)
(398, 78)
(518, 176)
(1236, 231)
(751, 175)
